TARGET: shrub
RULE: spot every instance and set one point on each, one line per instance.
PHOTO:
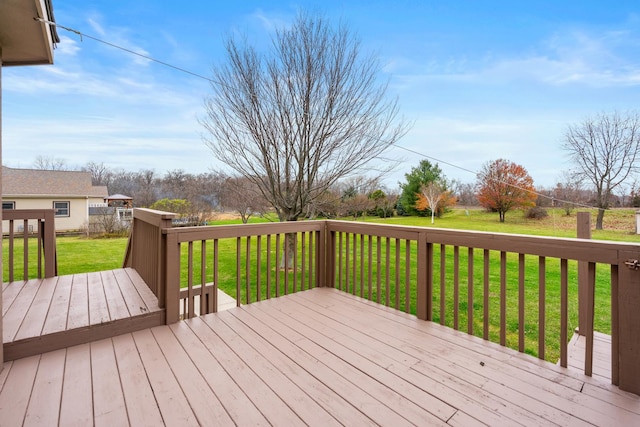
(537, 212)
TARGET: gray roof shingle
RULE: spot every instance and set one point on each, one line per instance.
(36, 182)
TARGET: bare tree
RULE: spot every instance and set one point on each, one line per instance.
(296, 121)
(145, 193)
(465, 193)
(49, 163)
(567, 191)
(99, 172)
(605, 149)
(239, 195)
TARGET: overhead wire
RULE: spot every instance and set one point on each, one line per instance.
(184, 70)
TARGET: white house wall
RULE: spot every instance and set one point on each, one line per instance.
(78, 211)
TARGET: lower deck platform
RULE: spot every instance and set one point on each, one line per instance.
(41, 315)
(317, 357)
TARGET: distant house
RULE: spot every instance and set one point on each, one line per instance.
(69, 192)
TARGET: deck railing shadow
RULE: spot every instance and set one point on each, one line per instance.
(476, 282)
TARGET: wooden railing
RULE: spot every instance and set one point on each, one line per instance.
(39, 260)
(519, 291)
(146, 246)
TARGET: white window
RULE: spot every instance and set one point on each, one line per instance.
(8, 205)
(62, 208)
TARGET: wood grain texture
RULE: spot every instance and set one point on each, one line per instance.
(316, 357)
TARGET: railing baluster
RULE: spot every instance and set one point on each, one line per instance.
(591, 282)
(268, 266)
(542, 303)
(429, 281)
(11, 249)
(39, 233)
(456, 287)
(340, 256)
(521, 314)
(387, 275)
(354, 281)
(378, 270)
(215, 275)
(564, 298)
(615, 324)
(277, 264)
(259, 268)
(268, 271)
(204, 306)
(189, 312)
(370, 273)
(25, 249)
(407, 276)
(238, 269)
(503, 298)
(347, 262)
(470, 291)
(247, 269)
(443, 257)
(303, 257)
(361, 265)
(287, 242)
(397, 269)
(485, 327)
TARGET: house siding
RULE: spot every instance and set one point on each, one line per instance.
(78, 210)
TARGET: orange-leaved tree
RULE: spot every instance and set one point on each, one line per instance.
(504, 185)
(434, 197)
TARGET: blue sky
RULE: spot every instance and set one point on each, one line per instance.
(480, 80)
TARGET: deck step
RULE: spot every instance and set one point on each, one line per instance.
(49, 314)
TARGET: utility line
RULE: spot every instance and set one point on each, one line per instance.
(166, 64)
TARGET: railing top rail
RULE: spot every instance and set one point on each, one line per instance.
(152, 216)
(186, 234)
(13, 214)
(599, 251)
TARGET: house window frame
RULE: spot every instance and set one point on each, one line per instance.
(12, 205)
(57, 209)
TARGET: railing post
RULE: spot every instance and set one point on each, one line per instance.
(422, 293)
(583, 232)
(171, 278)
(626, 320)
(50, 255)
(327, 256)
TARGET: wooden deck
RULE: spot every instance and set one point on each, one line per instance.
(48, 314)
(318, 357)
(601, 354)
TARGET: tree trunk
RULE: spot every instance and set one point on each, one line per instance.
(599, 219)
(288, 253)
(501, 216)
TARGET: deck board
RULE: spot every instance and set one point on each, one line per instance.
(317, 357)
(47, 390)
(56, 319)
(59, 312)
(134, 383)
(601, 354)
(462, 364)
(76, 405)
(108, 398)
